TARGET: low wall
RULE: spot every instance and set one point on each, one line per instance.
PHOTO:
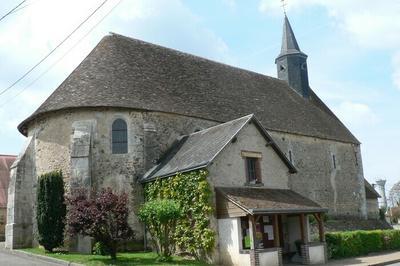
(269, 257)
(314, 253)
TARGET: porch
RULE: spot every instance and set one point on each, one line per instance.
(259, 226)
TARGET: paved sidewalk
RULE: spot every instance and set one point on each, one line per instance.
(22, 258)
(378, 259)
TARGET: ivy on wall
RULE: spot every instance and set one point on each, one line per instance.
(193, 193)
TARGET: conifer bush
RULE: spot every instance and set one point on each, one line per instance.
(51, 210)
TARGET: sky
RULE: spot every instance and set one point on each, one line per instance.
(353, 48)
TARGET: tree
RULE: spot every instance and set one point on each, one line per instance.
(160, 216)
(51, 210)
(103, 216)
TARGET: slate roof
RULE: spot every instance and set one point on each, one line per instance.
(198, 149)
(370, 192)
(129, 73)
(256, 200)
(5, 163)
(289, 42)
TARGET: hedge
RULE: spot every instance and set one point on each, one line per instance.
(356, 243)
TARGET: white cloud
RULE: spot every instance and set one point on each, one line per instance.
(369, 24)
(372, 24)
(26, 37)
(355, 114)
(396, 70)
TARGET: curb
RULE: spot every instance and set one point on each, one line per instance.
(385, 263)
(29, 255)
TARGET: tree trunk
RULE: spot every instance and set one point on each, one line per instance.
(113, 250)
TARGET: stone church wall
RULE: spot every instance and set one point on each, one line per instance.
(150, 134)
(337, 184)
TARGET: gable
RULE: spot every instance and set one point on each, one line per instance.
(199, 149)
(229, 167)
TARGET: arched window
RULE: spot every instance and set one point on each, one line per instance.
(119, 137)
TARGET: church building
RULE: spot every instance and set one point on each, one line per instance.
(133, 112)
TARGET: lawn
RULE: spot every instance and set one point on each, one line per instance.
(137, 258)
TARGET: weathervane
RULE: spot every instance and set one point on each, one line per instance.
(284, 4)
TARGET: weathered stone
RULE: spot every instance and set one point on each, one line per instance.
(21, 198)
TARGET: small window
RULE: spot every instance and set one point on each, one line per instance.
(253, 172)
(334, 161)
(119, 137)
(356, 157)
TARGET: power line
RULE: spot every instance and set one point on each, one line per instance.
(54, 49)
(61, 58)
(12, 10)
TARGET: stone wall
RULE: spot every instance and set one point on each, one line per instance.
(339, 185)
(3, 218)
(373, 208)
(150, 134)
(21, 198)
(228, 168)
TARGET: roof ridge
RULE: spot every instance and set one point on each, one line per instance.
(220, 125)
(192, 55)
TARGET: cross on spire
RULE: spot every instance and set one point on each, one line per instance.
(283, 5)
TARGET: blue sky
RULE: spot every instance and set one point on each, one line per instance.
(353, 49)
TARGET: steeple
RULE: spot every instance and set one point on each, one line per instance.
(292, 62)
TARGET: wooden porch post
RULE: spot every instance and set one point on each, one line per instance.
(277, 242)
(252, 228)
(301, 218)
(320, 227)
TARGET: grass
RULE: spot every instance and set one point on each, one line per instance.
(136, 258)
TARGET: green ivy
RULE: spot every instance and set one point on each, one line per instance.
(193, 193)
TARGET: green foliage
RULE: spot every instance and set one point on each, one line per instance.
(382, 212)
(99, 248)
(193, 194)
(356, 243)
(124, 259)
(51, 210)
(160, 216)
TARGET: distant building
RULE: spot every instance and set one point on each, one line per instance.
(5, 164)
(381, 188)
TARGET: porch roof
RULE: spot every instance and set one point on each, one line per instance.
(257, 200)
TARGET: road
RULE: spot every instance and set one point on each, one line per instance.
(7, 259)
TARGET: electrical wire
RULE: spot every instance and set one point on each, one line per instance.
(54, 49)
(12, 10)
(60, 58)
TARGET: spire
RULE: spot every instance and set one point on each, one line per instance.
(292, 63)
(289, 42)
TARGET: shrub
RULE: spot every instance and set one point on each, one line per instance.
(193, 194)
(391, 239)
(355, 243)
(160, 216)
(51, 210)
(103, 216)
(382, 212)
(100, 249)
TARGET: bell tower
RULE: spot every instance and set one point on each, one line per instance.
(292, 63)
